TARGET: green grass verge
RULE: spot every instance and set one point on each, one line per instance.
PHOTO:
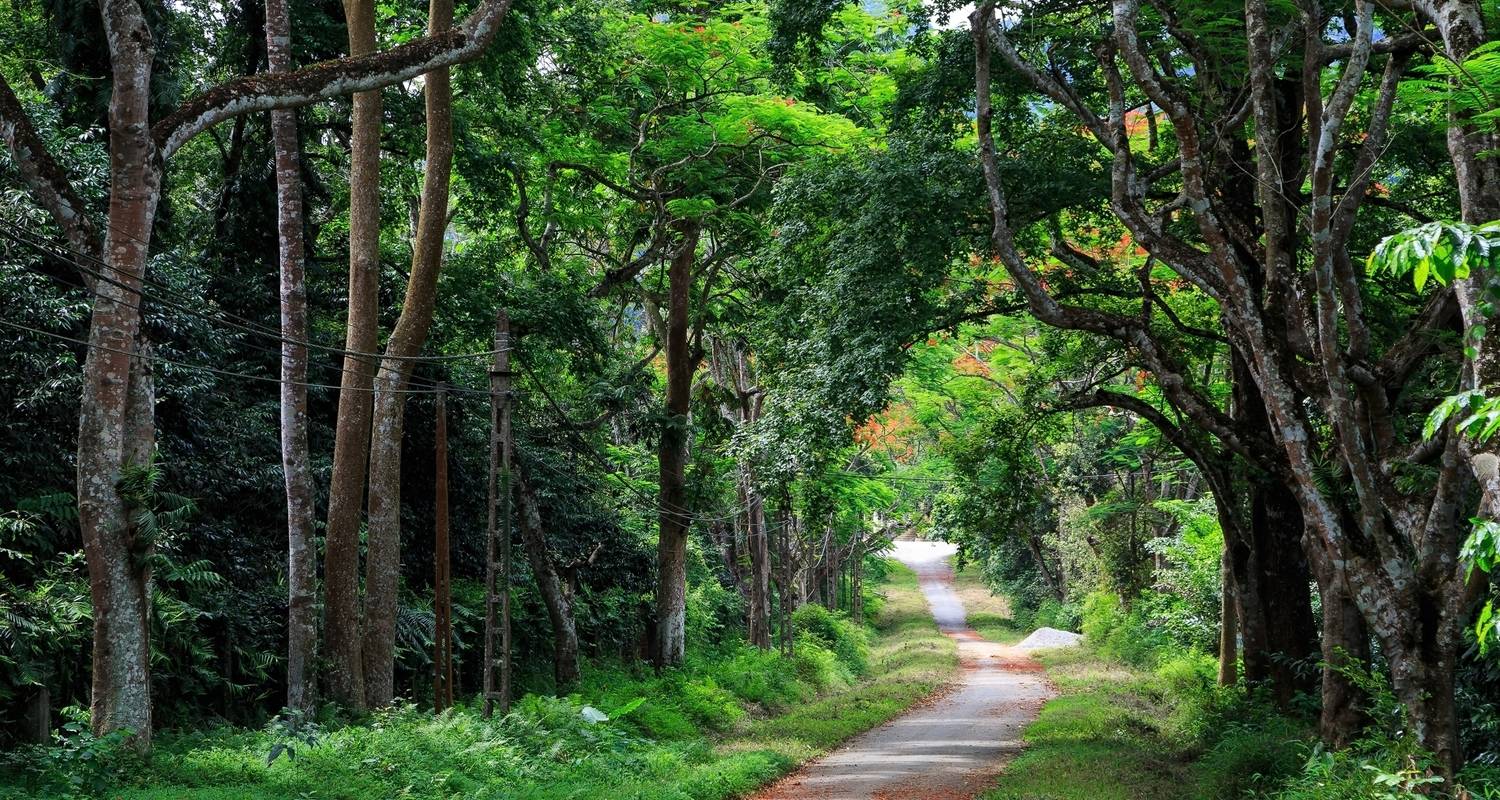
(721, 727)
(989, 614)
(1118, 732)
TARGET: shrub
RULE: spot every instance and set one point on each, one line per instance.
(817, 666)
(1101, 615)
(710, 704)
(835, 632)
(761, 676)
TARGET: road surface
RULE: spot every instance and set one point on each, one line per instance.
(950, 748)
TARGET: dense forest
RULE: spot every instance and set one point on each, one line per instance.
(518, 398)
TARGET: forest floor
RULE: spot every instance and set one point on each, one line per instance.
(952, 747)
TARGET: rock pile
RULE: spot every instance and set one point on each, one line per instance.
(1050, 637)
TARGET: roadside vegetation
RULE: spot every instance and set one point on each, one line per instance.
(725, 723)
(1138, 716)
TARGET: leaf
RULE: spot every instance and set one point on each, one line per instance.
(1485, 626)
(628, 707)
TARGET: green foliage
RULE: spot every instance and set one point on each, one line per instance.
(1120, 732)
(834, 631)
(721, 726)
(77, 765)
(290, 730)
(1443, 251)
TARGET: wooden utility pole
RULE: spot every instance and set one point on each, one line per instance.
(442, 585)
(497, 549)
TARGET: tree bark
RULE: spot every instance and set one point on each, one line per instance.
(383, 555)
(555, 594)
(116, 421)
(346, 491)
(675, 520)
(1285, 590)
(1345, 645)
(1229, 625)
(302, 635)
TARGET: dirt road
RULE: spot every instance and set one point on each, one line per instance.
(950, 748)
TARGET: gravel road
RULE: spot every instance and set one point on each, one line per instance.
(951, 747)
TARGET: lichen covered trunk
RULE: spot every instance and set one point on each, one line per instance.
(116, 423)
(301, 557)
(346, 490)
(383, 556)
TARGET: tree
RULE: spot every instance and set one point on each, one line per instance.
(116, 421)
(351, 448)
(1391, 544)
(302, 632)
(383, 559)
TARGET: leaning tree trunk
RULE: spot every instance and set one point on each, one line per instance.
(383, 558)
(346, 490)
(554, 593)
(671, 552)
(302, 634)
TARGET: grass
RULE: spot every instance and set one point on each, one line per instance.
(989, 614)
(721, 727)
(1118, 732)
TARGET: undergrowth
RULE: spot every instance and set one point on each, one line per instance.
(1141, 716)
(725, 723)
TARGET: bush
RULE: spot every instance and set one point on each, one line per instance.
(761, 676)
(1101, 615)
(817, 666)
(710, 705)
(1052, 614)
(836, 633)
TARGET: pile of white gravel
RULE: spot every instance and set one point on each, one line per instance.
(1050, 637)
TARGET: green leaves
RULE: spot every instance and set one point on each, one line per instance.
(1444, 251)
(1482, 552)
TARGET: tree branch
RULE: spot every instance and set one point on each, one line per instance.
(45, 178)
(328, 79)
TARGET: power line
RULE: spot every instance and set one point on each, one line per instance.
(372, 362)
(201, 367)
(251, 345)
(32, 238)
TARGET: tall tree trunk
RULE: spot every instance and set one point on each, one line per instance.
(383, 557)
(555, 595)
(674, 524)
(302, 635)
(346, 491)
(1229, 621)
(116, 424)
(760, 567)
